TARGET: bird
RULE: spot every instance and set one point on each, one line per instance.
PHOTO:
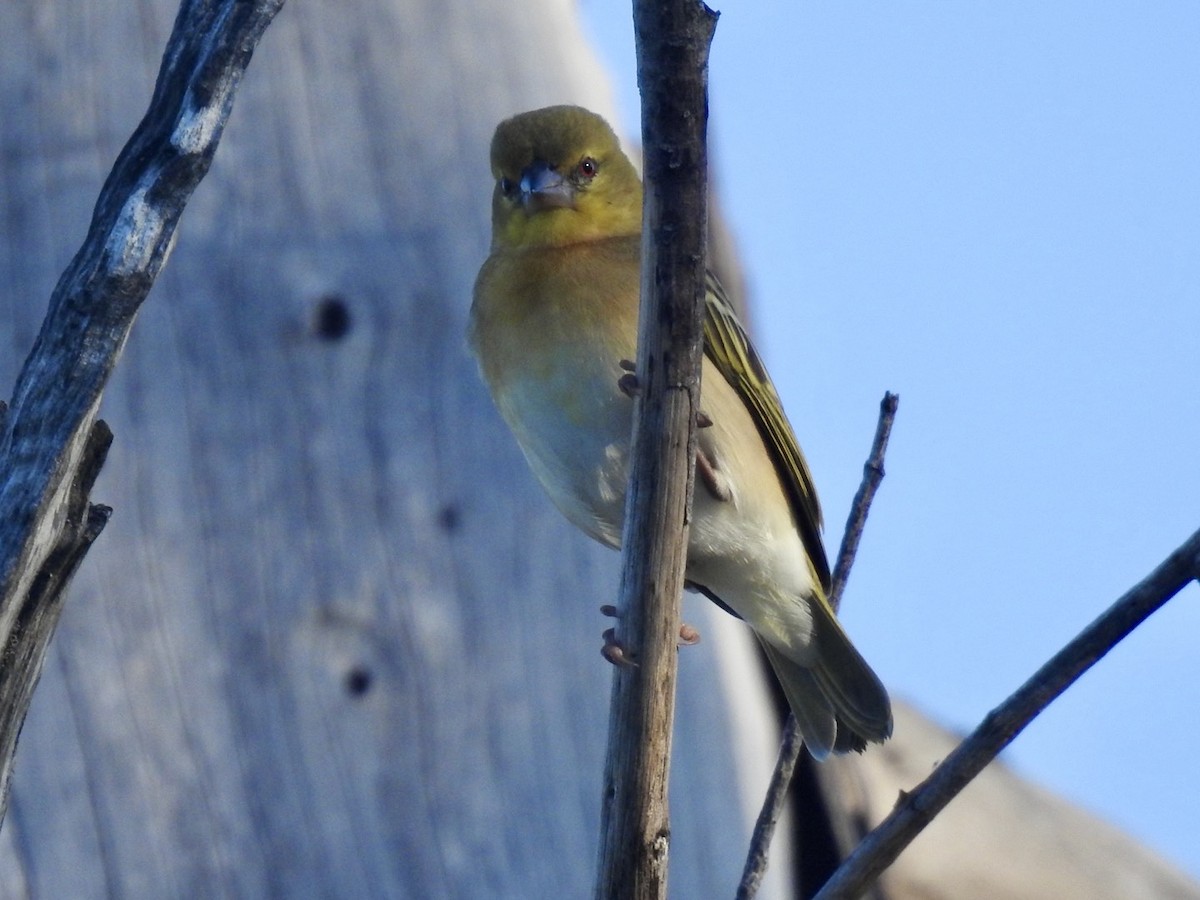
(553, 324)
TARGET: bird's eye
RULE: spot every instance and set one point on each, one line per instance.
(506, 186)
(587, 168)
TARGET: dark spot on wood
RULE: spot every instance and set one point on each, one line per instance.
(331, 318)
(358, 681)
(449, 517)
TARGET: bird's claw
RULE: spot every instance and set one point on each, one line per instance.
(631, 387)
(614, 652)
(628, 383)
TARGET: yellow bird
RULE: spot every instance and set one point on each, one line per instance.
(555, 313)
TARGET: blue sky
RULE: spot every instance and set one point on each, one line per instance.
(994, 211)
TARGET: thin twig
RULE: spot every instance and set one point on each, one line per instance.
(857, 520)
(917, 808)
(789, 749)
(772, 809)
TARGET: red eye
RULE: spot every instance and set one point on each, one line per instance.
(587, 168)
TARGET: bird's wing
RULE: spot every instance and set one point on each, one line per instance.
(728, 346)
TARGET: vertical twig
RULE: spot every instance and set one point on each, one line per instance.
(789, 749)
(673, 37)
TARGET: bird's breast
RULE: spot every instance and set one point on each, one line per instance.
(549, 342)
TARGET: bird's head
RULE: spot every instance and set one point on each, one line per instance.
(561, 178)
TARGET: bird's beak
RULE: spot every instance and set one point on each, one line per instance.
(543, 188)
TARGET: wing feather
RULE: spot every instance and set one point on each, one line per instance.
(728, 347)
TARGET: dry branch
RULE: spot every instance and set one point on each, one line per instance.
(672, 46)
(50, 444)
(29, 637)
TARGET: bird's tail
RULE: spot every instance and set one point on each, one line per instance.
(838, 701)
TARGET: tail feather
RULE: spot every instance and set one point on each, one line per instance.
(814, 715)
(851, 686)
(839, 702)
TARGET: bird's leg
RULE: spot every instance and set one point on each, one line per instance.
(716, 483)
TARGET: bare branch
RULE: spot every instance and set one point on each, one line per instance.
(672, 45)
(45, 449)
(789, 748)
(857, 520)
(24, 652)
(917, 808)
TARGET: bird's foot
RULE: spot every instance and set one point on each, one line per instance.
(688, 635)
(613, 651)
(631, 387)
